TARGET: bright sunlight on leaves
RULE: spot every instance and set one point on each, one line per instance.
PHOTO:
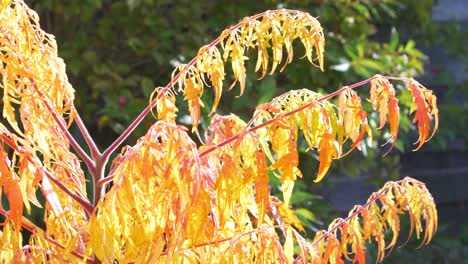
(172, 200)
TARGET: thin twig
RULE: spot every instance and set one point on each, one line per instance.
(87, 137)
(86, 159)
(254, 128)
(238, 236)
(28, 225)
(173, 81)
(89, 208)
(369, 202)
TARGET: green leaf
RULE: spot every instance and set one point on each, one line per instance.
(410, 45)
(394, 39)
(306, 214)
(387, 9)
(371, 64)
(349, 49)
(147, 86)
(362, 9)
(300, 196)
(267, 89)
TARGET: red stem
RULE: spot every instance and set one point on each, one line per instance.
(107, 179)
(99, 162)
(225, 239)
(254, 128)
(33, 229)
(369, 202)
(163, 92)
(87, 160)
(89, 140)
(89, 208)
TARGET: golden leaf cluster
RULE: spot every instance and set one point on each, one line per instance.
(172, 200)
(218, 209)
(326, 128)
(370, 222)
(34, 84)
(275, 31)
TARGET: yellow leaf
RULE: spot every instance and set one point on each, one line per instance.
(262, 189)
(382, 94)
(289, 246)
(289, 216)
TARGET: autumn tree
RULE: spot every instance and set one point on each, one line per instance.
(169, 199)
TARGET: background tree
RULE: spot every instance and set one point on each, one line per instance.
(143, 53)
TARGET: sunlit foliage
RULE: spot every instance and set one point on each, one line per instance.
(172, 200)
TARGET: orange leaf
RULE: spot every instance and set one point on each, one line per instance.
(394, 120)
(192, 93)
(10, 184)
(262, 190)
(382, 94)
(353, 118)
(424, 104)
(327, 152)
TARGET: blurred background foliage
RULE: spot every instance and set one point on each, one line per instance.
(118, 51)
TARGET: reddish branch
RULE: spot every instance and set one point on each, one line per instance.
(87, 137)
(174, 80)
(87, 160)
(99, 162)
(354, 214)
(34, 229)
(209, 243)
(271, 121)
(89, 208)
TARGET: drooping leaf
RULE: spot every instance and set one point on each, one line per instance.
(382, 96)
(276, 30)
(289, 216)
(425, 108)
(262, 189)
(167, 110)
(9, 181)
(352, 118)
(370, 221)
